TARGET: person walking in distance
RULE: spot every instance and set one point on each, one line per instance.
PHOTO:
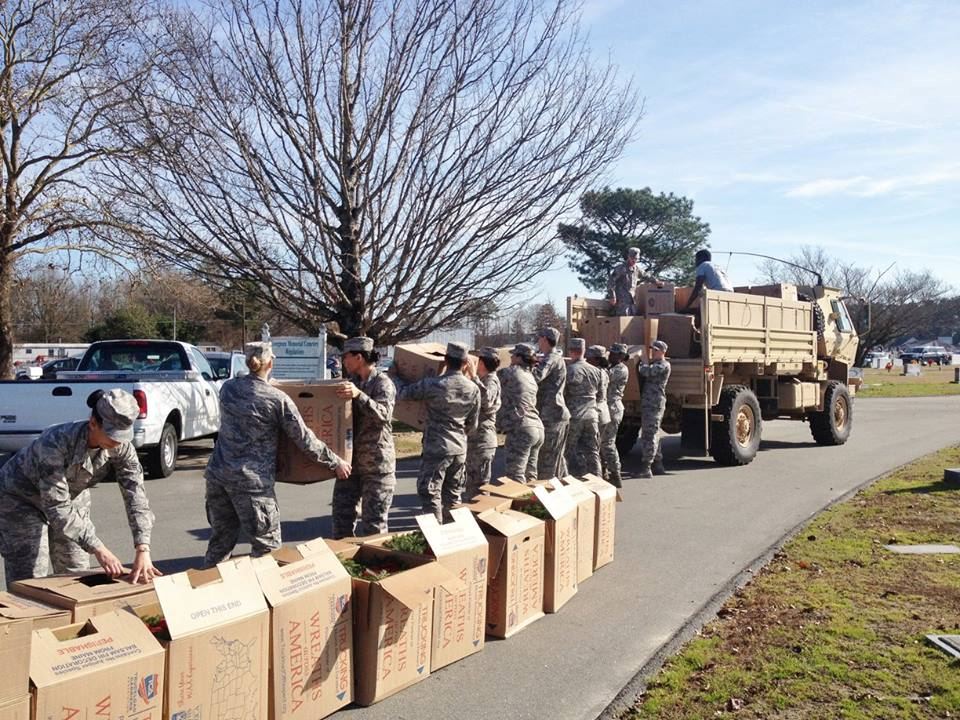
(482, 442)
(518, 418)
(242, 471)
(619, 375)
(374, 477)
(653, 379)
(453, 409)
(551, 376)
(622, 284)
(583, 394)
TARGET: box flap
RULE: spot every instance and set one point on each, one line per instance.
(509, 522)
(557, 502)
(193, 601)
(14, 607)
(601, 488)
(577, 489)
(287, 573)
(81, 587)
(461, 534)
(482, 503)
(411, 587)
(505, 487)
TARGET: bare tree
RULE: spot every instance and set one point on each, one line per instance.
(371, 166)
(50, 303)
(67, 69)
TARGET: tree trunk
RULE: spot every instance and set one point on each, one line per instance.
(6, 317)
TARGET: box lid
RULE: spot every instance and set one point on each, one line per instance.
(287, 573)
(578, 490)
(509, 522)
(558, 501)
(482, 503)
(197, 600)
(601, 488)
(505, 487)
(106, 640)
(80, 588)
(14, 607)
(409, 587)
(461, 534)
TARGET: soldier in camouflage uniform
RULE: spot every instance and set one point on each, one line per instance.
(618, 374)
(622, 285)
(518, 417)
(374, 478)
(453, 409)
(242, 470)
(653, 401)
(551, 376)
(583, 394)
(597, 357)
(45, 497)
(482, 442)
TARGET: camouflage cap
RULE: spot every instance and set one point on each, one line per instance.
(659, 345)
(633, 252)
(620, 348)
(489, 353)
(596, 351)
(578, 344)
(358, 344)
(457, 351)
(550, 333)
(263, 351)
(524, 350)
(118, 409)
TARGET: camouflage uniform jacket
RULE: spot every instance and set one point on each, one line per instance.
(622, 284)
(551, 375)
(253, 413)
(519, 405)
(619, 375)
(603, 408)
(584, 392)
(373, 450)
(58, 466)
(654, 378)
(485, 436)
(453, 408)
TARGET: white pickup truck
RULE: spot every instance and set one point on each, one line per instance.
(173, 383)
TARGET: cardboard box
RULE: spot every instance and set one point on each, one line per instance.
(412, 413)
(14, 607)
(393, 622)
(676, 331)
(654, 298)
(606, 527)
(786, 291)
(311, 639)
(636, 353)
(17, 710)
(586, 503)
(331, 419)
(481, 503)
(416, 361)
(608, 330)
(506, 488)
(14, 658)
(109, 666)
(681, 297)
(219, 648)
(459, 619)
(515, 571)
(85, 594)
(560, 566)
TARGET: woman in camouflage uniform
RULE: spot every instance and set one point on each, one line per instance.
(518, 417)
(482, 442)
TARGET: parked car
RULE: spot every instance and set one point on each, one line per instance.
(28, 372)
(172, 382)
(877, 359)
(926, 355)
(227, 365)
(52, 367)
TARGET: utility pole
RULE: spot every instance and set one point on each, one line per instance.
(174, 323)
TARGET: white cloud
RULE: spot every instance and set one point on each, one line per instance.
(866, 186)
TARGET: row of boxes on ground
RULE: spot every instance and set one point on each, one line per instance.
(217, 637)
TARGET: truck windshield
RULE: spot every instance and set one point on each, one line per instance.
(134, 357)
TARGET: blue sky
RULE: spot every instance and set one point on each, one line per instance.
(792, 123)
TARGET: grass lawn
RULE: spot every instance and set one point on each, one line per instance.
(933, 381)
(834, 626)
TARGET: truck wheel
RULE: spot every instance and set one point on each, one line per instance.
(627, 435)
(162, 459)
(833, 425)
(736, 439)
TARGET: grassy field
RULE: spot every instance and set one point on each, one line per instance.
(933, 381)
(834, 626)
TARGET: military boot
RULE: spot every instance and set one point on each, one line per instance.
(644, 472)
(658, 468)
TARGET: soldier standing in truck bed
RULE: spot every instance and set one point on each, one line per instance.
(653, 401)
(482, 442)
(518, 418)
(583, 394)
(622, 285)
(551, 376)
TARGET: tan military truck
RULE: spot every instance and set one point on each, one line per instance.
(760, 353)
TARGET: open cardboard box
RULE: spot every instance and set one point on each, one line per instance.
(515, 570)
(329, 416)
(219, 641)
(481, 503)
(506, 488)
(586, 525)
(14, 658)
(85, 594)
(311, 640)
(109, 666)
(40, 615)
(607, 498)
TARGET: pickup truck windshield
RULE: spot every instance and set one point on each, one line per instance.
(134, 357)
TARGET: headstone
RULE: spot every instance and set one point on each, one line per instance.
(923, 549)
(950, 644)
(951, 476)
(911, 370)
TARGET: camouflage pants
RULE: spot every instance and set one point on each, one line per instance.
(440, 484)
(30, 547)
(521, 452)
(230, 511)
(479, 468)
(649, 436)
(609, 457)
(374, 495)
(551, 462)
(625, 308)
(583, 448)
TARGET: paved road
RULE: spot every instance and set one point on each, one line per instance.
(681, 540)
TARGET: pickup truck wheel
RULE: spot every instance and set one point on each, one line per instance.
(735, 440)
(162, 459)
(627, 435)
(833, 425)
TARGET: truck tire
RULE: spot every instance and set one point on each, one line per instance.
(627, 435)
(833, 425)
(162, 459)
(736, 439)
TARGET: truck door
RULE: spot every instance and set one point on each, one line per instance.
(207, 396)
(845, 340)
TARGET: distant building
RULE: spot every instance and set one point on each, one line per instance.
(29, 353)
